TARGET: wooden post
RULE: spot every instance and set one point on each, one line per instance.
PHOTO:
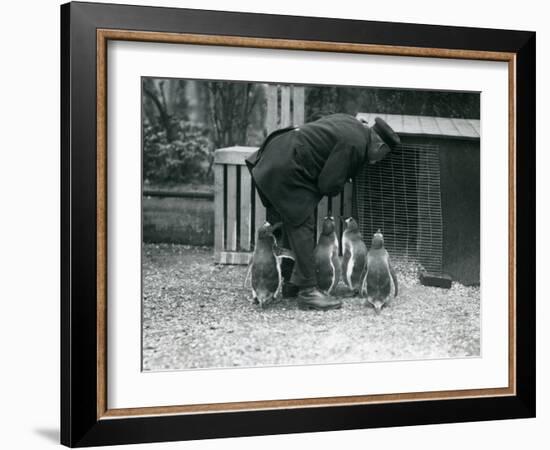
(285, 107)
(292, 106)
(259, 212)
(298, 102)
(322, 211)
(348, 200)
(336, 212)
(231, 195)
(219, 219)
(272, 107)
(246, 209)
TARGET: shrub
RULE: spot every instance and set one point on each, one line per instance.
(184, 159)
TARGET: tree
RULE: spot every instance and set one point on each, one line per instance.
(168, 103)
(230, 110)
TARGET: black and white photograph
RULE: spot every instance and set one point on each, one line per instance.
(290, 224)
(275, 225)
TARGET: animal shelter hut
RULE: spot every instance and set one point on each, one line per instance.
(424, 197)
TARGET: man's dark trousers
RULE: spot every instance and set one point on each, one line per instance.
(300, 239)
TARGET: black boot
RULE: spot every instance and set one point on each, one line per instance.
(313, 298)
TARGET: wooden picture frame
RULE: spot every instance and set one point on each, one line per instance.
(85, 416)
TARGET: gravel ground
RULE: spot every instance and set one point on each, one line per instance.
(196, 314)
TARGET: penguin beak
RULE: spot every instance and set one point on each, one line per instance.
(377, 307)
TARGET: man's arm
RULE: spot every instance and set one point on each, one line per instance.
(335, 172)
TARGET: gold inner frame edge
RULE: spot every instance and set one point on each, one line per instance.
(103, 36)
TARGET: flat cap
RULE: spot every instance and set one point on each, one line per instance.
(386, 132)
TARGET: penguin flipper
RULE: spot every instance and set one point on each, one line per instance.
(337, 265)
(364, 286)
(364, 275)
(248, 271)
(394, 278)
(285, 253)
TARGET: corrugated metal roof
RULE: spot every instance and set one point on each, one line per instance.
(433, 126)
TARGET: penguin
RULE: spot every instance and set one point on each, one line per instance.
(265, 266)
(379, 275)
(327, 261)
(355, 255)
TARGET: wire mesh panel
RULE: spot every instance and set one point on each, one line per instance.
(401, 196)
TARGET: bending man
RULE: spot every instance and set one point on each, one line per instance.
(296, 166)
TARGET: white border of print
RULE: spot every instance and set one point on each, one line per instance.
(128, 387)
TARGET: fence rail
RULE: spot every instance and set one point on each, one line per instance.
(178, 194)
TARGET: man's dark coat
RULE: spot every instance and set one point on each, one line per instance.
(295, 167)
